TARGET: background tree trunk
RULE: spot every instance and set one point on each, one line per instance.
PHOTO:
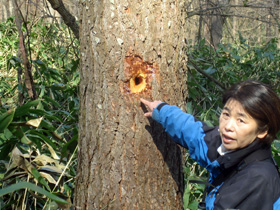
(6, 10)
(129, 49)
(28, 78)
(215, 22)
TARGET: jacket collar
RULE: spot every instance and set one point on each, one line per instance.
(234, 158)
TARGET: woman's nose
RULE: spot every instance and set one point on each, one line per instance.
(229, 125)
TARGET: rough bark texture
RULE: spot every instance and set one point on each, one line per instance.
(6, 12)
(215, 22)
(216, 30)
(129, 49)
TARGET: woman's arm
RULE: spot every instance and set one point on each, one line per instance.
(183, 128)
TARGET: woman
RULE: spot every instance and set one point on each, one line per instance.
(237, 153)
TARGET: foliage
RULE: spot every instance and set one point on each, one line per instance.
(38, 138)
(228, 64)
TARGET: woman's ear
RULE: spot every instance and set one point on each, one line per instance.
(262, 134)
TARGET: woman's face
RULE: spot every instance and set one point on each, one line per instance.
(237, 128)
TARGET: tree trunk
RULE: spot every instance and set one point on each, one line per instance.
(216, 23)
(29, 83)
(216, 30)
(6, 10)
(129, 49)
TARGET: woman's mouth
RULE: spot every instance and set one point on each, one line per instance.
(227, 139)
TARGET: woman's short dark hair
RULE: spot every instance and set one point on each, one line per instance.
(259, 101)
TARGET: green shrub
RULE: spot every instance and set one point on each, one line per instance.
(38, 138)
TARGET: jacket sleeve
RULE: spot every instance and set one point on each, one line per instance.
(184, 130)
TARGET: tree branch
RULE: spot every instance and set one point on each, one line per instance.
(207, 75)
(222, 6)
(67, 17)
(240, 16)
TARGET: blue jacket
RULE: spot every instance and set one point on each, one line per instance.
(256, 186)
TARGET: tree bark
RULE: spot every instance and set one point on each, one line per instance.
(6, 12)
(215, 22)
(67, 17)
(29, 83)
(129, 49)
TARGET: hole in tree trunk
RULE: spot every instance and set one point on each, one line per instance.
(138, 80)
(138, 83)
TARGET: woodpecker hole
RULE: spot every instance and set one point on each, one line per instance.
(138, 80)
(137, 83)
(139, 75)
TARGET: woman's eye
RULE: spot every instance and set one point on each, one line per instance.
(241, 120)
(225, 114)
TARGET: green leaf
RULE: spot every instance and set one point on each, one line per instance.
(42, 92)
(42, 137)
(190, 107)
(58, 86)
(52, 206)
(6, 119)
(24, 109)
(245, 3)
(210, 70)
(276, 145)
(6, 149)
(277, 159)
(186, 197)
(193, 205)
(47, 125)
(50, 101)
(40, 179)
(47, 115)
(13, 62)
(33, 187)
(5, 135)
(25, 140)
(69, 147)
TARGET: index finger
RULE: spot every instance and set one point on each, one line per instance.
(145, 101)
